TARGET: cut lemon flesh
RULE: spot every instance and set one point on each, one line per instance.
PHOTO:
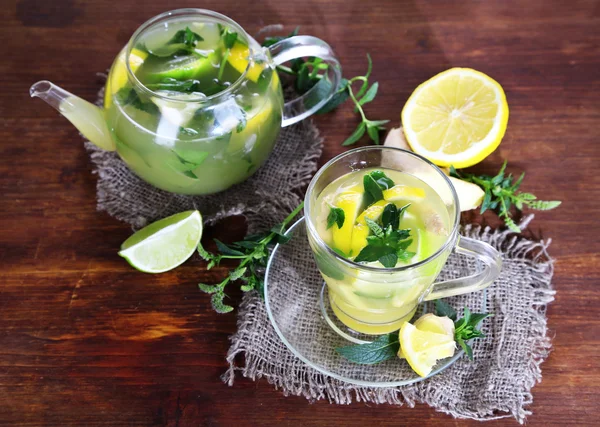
(403, 192)
(457, 117)
(350, 202)
(423, 349)
(238, 58)
(372, 212)
(118, 76)
(164, 244)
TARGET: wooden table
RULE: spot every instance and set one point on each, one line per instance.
(86, 340)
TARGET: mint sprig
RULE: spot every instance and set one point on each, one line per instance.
(501, 192)
(388, 243)
(464, 328)
(310, 71)
(186, 37)
(252, 254)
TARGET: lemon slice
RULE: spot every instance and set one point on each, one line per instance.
(457, 117)
(403, 192)
(350, 202)
(118, 76)
(164, 244)
(238, 58)
(423, 349)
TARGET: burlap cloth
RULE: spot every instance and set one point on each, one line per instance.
(507, 362)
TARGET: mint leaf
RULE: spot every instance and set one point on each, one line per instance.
(336, 216)
(384, 348)
(389, 260)
(373, 192)
(442, 309)
(186, 37)
(390, 216)
(356, 135)
(375, 228)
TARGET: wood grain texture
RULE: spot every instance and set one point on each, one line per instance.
(85, 340)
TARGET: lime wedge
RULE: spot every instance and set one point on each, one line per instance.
(164, 244)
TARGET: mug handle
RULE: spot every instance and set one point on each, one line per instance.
(299, 47)
(492, 264)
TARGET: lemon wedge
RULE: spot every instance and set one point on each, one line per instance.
(360, 232)
(431, 323)
(118, 75)
(457, 117)
(372, 212)
(238, 58)
(403, 192)
(422, 349)
(246, 139)
(350, 202)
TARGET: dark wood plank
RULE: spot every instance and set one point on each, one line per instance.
(85, 340)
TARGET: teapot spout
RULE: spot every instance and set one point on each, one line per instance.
(85, 116)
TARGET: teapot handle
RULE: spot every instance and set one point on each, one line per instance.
(310, 102)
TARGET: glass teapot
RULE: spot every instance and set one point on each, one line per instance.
(192, 103)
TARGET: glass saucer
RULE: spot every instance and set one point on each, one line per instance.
(305, 323)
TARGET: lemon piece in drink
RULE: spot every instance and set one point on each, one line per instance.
(402, 192)
(350, 202)
(422, 349)
(360, 232)
(457, 117)
(164, 244)
(238, 58)
(118, 76)
(246, 139)
(372, 212)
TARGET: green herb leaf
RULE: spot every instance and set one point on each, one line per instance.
(193, 157)
(336, 216)
(252, 254)
(226, 250)
(218, 305)
(375, 228)
(337, 99)
(174, 85)
(356, 135)
(442, 308)
(209, 289)
(373, 191)
(389, 260)
(390, 216)
(186, 37)
(384, 348)
(501, 193)
(229, 38)
(369, 96)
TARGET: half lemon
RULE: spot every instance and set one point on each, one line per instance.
(457, 117)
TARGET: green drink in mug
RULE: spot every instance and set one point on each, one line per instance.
(381, 223)
(192, 103)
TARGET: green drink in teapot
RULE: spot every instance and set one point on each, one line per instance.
(192, 103)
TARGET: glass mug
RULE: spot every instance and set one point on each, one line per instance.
(375, 300)
(196, 143)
